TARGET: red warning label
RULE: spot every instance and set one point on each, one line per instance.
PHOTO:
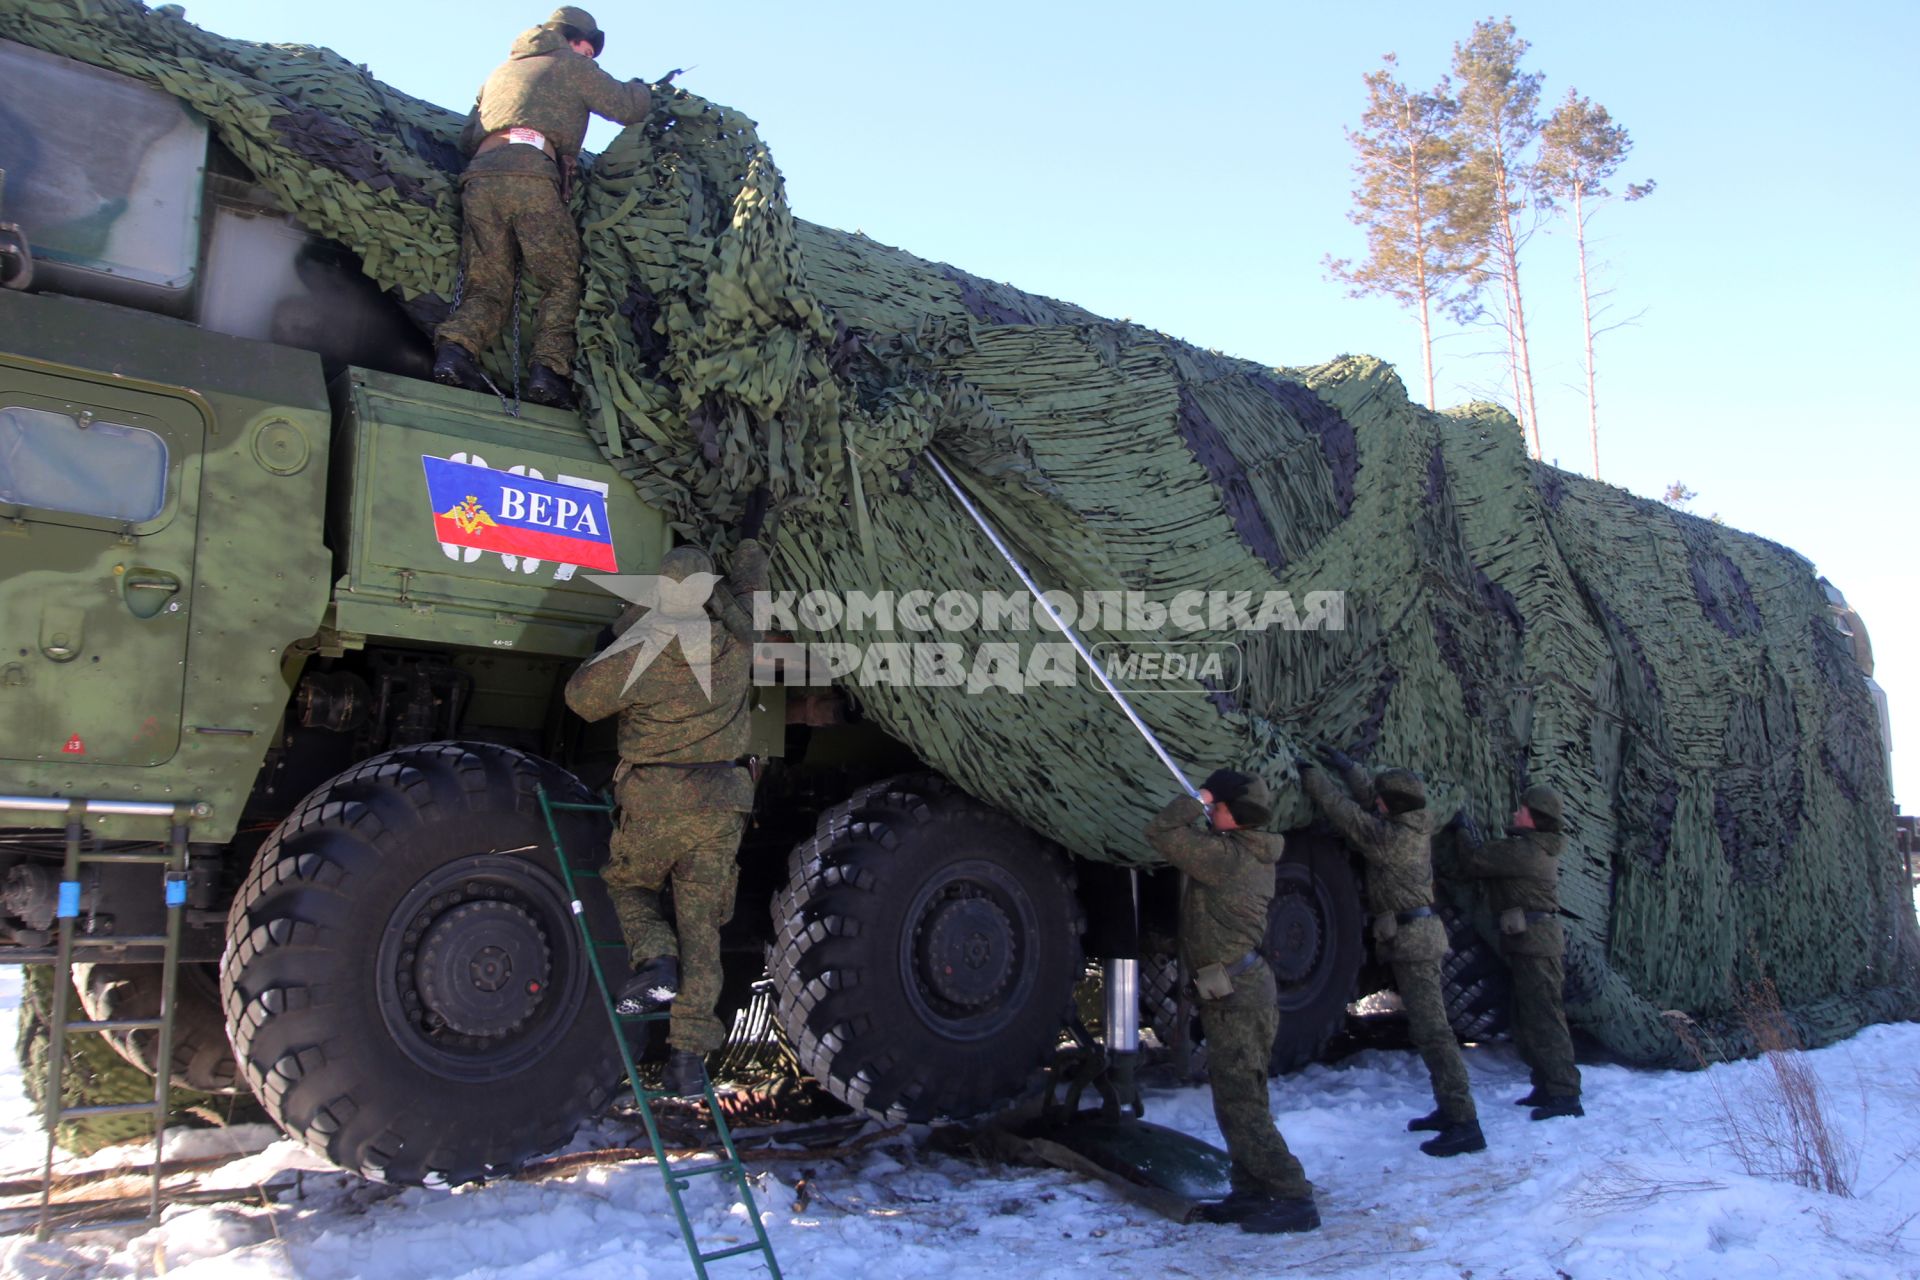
(74, 746)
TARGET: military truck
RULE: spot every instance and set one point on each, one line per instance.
(230, 599)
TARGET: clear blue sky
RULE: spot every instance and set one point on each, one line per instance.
(1184, 166)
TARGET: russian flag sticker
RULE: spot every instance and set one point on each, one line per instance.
(519, 515)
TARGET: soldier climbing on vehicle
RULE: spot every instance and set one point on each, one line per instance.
(1229, 870)
(524, 137)
(680, 677)
(1385, 818)
(1522, 874)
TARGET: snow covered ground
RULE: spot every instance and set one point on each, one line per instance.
(1641, 1187)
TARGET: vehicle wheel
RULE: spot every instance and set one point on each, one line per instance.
(405, 987)
(202, 1056)
(1474, 980)
(925, 952)
(1315, 943)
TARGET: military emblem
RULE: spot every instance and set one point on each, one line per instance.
(520, 514)
(470, 515)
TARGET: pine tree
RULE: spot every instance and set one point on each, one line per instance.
(1496, 127)
(1409, 204)
(1580, 149)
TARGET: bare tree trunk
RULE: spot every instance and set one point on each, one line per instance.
(1586, 318)
(1517, 319)
(1513, 356)
(1414, 189)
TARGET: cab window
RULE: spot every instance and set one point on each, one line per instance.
(79, 464)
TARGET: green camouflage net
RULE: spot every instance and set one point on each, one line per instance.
(1680, 683)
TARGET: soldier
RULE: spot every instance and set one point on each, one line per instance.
(1390, 827)
(1223, 917)
(1523, 882)
(524, 136)
(684, 786)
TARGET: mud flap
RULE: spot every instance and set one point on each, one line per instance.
(1156, 1167)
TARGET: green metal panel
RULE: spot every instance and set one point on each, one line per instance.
(182, 704)
(93, 621)
(400, 581)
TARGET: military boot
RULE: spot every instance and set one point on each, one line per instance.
(1552, 1108)
(651, 988)
(1432, 1122)
(1262, 1214)
(1456, 1140)
(453, 366)
(1534, 1097)
(546, 387)
(686, 1074)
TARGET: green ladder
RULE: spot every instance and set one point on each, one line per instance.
(677, 1179)
(173, 861)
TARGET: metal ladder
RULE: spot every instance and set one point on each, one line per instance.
(173, 861)
(677, 1179)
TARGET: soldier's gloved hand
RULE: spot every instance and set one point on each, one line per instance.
(1337, 758)
(756, 515)
(1301, 764)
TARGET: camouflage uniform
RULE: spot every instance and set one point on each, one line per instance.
(511, 195)
(1223, 917)
(1398, 854)
(683, 798)
(1523, 885)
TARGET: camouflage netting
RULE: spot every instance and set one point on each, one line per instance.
(1681, 683)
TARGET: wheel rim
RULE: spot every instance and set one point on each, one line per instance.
(966, 956)
(479, 972)
(1298, 935)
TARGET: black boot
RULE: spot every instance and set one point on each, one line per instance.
(1535, 1096)
(454, 367)
(1262, 1214)
(651, 988)
(1456, 1139)
(1432, 1122)
(1552, 1108)
(546, 387)
(686, 1074)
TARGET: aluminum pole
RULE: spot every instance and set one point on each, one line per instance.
(1053, 615)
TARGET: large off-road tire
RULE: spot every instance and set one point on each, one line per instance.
(404, 985)
(925, 952)
(1474, 979)
(1315, 945)
(202, 1056)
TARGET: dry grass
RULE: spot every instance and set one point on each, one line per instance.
(1776, 1122)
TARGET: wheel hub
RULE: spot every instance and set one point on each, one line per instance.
(967, 952)
(483, 968)
(1294, 936)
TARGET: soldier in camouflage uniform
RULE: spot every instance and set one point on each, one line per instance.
(1523, 883)
(1390, 827)
(684, 787)
(1228, 872)
(524, 136)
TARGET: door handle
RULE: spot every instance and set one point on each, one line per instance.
(149, 591)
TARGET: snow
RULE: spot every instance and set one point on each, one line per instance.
(1642, 1187)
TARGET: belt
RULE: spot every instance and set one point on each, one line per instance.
(738, 762)
(1408, 917)
(515, 137)
(1243, 964)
